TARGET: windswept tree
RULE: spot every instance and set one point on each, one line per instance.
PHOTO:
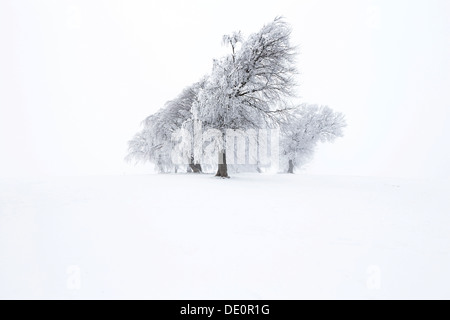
(303, 129)
(247, 90)
(155, 142)
(247, 87)
(152, 144)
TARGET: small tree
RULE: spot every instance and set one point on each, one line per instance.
(154, 143)
(304, 128)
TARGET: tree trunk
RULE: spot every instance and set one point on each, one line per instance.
(258, 168)
(196, 168)
(223, 168)
(291, 166)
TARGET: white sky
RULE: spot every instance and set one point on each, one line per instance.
(77, 77)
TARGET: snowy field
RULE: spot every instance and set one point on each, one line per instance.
(249, 237)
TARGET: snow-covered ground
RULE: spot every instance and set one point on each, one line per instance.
(250, 237)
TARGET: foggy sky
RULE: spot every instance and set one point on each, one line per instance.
(78, 77)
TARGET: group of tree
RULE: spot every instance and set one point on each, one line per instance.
(252, 88)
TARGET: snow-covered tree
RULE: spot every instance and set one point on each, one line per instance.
(155, 142)
(152, 144)
(303, 129)
(248, 90)
(247, 87)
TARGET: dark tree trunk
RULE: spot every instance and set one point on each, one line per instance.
(291, 166)
(223, 168)
(196, 168)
